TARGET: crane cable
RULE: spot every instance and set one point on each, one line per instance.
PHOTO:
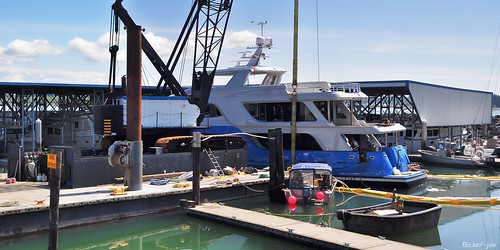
(113, 43)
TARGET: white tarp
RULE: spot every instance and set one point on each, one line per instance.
(165, 112)
(446, 106)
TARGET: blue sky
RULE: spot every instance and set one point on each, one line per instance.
(443, 42)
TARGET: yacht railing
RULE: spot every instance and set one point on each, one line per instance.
(349, 87)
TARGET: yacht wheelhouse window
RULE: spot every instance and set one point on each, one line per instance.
(271, 80)
(330, 112)
(340, 114)
(323, 108)
(302, 142)
(278, 112)
(213, 111)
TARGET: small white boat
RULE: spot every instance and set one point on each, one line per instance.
(441, 157)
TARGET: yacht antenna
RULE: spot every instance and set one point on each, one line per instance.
(317, 35)
(261, 27)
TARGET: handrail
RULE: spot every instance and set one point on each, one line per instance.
(347, 87)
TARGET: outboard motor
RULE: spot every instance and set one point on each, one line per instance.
(307, 193)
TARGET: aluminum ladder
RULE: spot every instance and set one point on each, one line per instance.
(213, 160)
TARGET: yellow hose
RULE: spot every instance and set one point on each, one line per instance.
(493, 178)
(441, 200)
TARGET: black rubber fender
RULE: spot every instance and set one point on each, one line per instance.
(343, 215)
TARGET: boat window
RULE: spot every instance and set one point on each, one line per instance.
(76, 124)
(323, 108)
(278, 112)
(322, 179)
(50, 131)
(271, 80)
(304, 142)
(57, 131)
(213, 111)
(300, 178)
(335, 110)
(340, 114)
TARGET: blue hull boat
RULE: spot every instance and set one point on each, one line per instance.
(327, 126)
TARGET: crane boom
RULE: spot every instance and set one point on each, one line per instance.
(210, 17)
(149, 51)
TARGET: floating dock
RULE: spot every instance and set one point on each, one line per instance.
(298, 231)
(24, 206)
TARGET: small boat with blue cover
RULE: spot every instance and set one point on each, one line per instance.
(310, 183)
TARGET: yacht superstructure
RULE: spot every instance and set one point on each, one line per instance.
(327, 129)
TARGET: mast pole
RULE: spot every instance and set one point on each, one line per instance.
(294, 80)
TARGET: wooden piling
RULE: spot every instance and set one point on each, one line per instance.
(276, 165)
(133, 171)
(55, 187)
(196, 150)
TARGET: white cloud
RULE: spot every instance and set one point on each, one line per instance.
(25, 51)
(240, 39)
(97, 51)
(162, 45)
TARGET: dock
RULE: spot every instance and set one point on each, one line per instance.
(297, 231)
(24, 206)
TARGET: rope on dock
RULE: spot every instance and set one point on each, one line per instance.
(259, 191)
(9, 204)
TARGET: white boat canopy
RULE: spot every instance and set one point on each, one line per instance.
(438, 105)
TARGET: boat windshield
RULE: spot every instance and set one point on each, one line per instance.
(300, 178)
(322, 179)
(311, 178)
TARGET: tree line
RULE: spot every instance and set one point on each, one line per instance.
(496, 101)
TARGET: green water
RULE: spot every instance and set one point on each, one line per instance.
(459, 227)
(172, 230)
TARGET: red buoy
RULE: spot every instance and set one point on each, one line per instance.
(320, 195)
(292, 199)
(320, 211)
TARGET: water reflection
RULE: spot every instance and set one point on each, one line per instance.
(458, 225)
(172, 230)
